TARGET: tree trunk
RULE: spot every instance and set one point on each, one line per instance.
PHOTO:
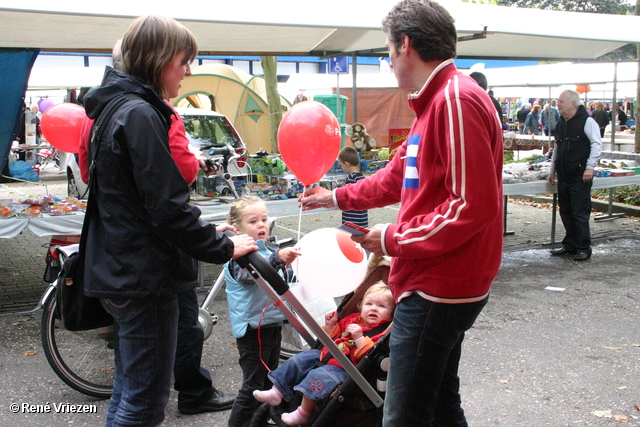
(637, 135)
(269, 67)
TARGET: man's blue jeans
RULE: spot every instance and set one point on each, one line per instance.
(425, 347)
(145, 334)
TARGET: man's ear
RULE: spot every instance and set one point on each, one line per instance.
(406, 43)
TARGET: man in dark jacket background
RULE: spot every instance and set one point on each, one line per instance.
(578, 146)
(521, 116)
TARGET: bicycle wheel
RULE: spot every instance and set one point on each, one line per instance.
(83, 360)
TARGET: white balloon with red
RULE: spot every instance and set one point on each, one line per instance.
(330, 264)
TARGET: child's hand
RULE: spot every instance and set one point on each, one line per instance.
(288, 255)
(331, 320)
(355, 331)
(224, 227)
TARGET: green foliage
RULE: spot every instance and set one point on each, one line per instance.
(508, 158)
(629, 194)
(613, 7)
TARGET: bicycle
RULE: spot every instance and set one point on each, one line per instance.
(84, 360)
(208, 318)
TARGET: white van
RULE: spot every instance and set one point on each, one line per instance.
(205, 130)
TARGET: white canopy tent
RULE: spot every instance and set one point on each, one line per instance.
(535, 81)
(331, 27)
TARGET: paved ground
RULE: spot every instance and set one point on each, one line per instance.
(538, 356)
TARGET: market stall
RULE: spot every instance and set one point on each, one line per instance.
(49, 225)
(542, 187)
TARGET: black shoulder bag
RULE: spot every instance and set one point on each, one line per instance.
(78, 311)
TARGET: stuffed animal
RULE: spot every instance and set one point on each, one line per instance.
(359, 137)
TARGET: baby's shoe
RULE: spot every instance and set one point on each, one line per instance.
(273, 397)
(299, 416)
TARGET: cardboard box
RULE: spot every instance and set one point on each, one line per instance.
(622, 172)
(286, 184)
(267, 191)
(267, 165)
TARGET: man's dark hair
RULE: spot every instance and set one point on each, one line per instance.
(480, 78)
(428, 25)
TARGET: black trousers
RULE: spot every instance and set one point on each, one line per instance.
(192, 382)
(574, 200)
(254, 374)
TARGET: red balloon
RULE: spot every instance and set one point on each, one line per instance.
(61, 125)
(309, 140)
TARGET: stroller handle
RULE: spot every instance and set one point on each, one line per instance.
(255, 263)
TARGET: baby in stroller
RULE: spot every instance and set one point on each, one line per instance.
(314, 372)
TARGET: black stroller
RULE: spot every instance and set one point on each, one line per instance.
(358, 400)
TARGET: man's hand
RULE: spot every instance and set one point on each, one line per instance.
(587, 176)
(551, 179)
(208, 169)
(315, 198)
(242, 245)
(372, 241)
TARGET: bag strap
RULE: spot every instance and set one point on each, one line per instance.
(97, 131)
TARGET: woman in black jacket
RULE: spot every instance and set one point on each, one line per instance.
(144, 234)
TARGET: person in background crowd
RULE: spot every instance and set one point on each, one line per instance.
(481, 79)
(577, 151)
(532, 124)
(550, 118)
(601, 117)
(521, 116)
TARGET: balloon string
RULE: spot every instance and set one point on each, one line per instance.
(300, 217)
(299, 225)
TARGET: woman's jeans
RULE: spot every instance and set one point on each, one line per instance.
(425, 347)
(302, 373)
(145, 334)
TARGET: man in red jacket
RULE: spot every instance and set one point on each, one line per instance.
(446, 244)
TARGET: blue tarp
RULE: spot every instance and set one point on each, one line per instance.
(15, 68)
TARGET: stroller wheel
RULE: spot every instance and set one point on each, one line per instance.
(267, 415)
(262, 417)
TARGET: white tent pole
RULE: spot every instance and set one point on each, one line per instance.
(614, 117)
(549, 115)
(354, 87)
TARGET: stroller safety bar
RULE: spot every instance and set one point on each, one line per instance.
(275, 287)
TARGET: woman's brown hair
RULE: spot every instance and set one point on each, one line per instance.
(150, 44)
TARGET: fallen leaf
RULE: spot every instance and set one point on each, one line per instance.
(106, 369)
(30, 353)
(24, 319)
(603, 414)
(637, 406)
(611, 348)
(624, 387)
(504, 381)
(621, 418)
(635, 345)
